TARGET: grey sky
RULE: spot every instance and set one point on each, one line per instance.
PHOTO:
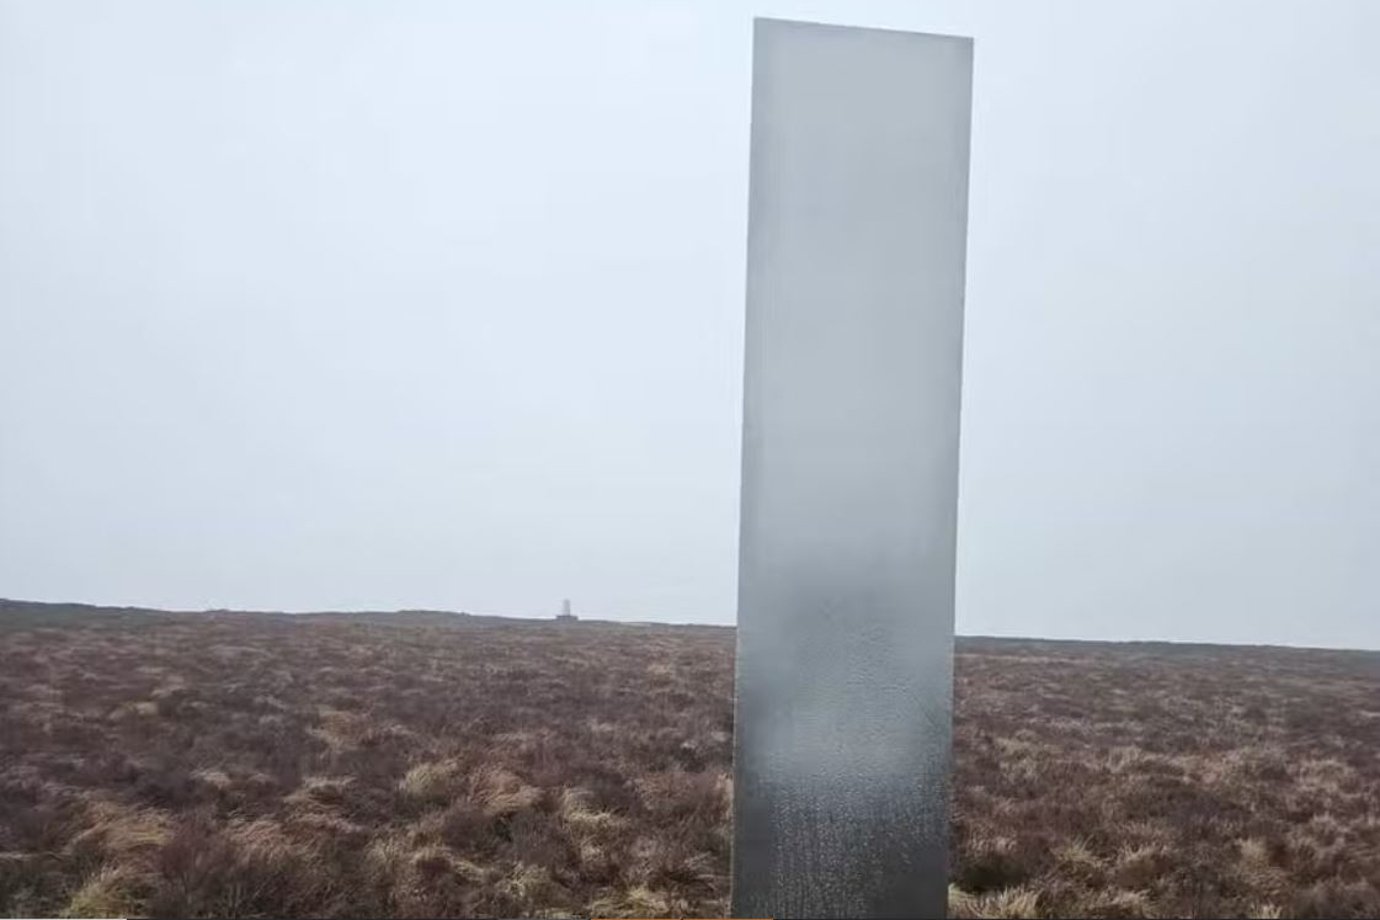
(314, 305)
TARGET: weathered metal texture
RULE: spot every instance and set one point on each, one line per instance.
(856, 252)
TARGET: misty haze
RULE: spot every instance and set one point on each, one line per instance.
(316, 306)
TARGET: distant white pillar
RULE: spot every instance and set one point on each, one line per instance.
(565, 607)
(856, 251)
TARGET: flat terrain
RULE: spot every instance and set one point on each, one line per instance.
(430, 764)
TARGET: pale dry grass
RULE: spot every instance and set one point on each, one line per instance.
(424, 766)
(1166, 781)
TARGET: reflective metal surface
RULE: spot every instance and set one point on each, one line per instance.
(857, 238)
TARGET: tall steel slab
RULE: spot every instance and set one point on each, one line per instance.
(856, 251)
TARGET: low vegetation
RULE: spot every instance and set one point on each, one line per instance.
(1101, 780)
(427, 765)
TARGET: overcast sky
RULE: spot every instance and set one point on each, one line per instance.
(310, 305)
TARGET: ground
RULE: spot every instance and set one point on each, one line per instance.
(434, 765)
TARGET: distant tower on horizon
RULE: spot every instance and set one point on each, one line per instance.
(565, 613)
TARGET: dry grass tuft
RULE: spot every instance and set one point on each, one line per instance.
(112, 891)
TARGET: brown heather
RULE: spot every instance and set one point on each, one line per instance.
(430, 765)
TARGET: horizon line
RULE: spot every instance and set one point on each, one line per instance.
(668, 622)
